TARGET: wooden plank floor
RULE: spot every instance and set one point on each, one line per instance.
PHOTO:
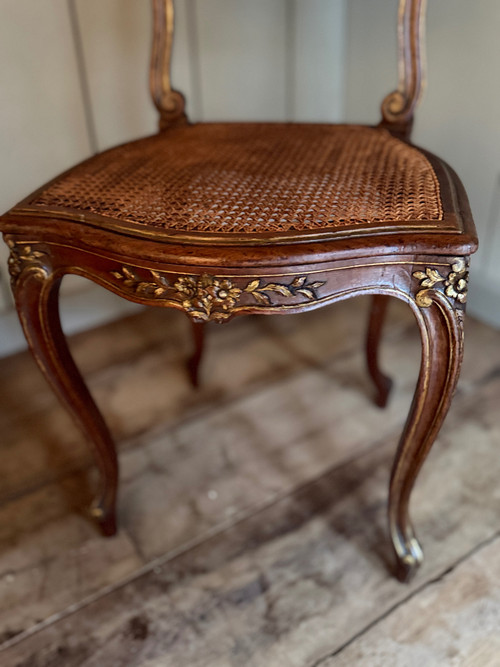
(252, 511)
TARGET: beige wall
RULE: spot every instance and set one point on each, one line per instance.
(73, 80)
(459, 118)
(265, 59)
(42, 121)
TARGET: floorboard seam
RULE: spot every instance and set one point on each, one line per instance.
(206, 407)
(425, 585)
(162, 560)
(197, 413)
(136, 440)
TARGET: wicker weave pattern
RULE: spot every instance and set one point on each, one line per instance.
(254, 178)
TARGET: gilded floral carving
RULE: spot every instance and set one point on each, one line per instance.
(208, 298)
(457, 282)
(158, 288)
(454, 284)
(26, 257)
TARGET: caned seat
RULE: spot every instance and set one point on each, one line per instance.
(287, 181)
(226, 219)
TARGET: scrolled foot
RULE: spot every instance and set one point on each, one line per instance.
(409, 557)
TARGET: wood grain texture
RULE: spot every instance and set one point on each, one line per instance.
(304, 571)
(277, 376)
(453, 622)
(304, 377)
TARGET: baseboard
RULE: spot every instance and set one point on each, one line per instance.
(81, 310)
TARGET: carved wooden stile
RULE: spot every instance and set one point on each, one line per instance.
(170, 103)
(399, 106)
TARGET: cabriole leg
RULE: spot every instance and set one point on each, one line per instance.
(36, 294)
(441, 328)
(376, 321)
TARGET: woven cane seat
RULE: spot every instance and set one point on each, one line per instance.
(238, 179)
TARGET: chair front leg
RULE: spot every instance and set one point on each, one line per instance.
(439, 312)
(377, 317)
(36, 293)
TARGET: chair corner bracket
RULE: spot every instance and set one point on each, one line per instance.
(453, 284)
(27, 258)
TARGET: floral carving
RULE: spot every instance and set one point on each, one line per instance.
(457, 282)
(454, 284)
(26, 257)
(207, 298)
(158, 289)
(299, 285)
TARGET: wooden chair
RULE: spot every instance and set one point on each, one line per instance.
(224, 219)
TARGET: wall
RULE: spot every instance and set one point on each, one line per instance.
(459, 118)
(74, 81)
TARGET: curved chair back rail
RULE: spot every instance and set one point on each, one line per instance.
(398, 107)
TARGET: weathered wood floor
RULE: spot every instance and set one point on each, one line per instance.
(252, 512)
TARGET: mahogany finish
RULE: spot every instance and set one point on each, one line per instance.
(409, 238)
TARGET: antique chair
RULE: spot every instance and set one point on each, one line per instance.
(224, 219)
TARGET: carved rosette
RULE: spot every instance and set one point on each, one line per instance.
(207, 298)
(454, 284)
(26, 258)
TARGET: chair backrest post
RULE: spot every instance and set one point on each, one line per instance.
(398, 108)
(170, 103)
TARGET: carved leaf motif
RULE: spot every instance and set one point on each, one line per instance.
(455, 283)
(25, 258)
(276, 287)
(198, 315)
(220, 317)
(208, 298)
(261, 298)
(160, 278)
(299, 281)
(251, 287)
(129, 274)
(430, 278)
(433, 278)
